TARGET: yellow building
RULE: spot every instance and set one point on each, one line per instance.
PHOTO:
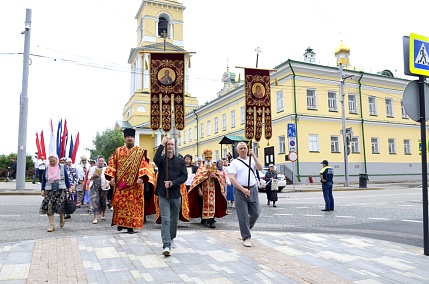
(383, 139)
(159, 27)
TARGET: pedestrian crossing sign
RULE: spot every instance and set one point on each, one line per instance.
(419, 59)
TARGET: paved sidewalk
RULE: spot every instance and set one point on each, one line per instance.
(212, 257)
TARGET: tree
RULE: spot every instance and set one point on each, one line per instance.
(106, 143)
(6, 161)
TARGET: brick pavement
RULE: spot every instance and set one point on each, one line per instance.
(212, 256)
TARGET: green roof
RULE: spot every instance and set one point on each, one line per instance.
(230, 139)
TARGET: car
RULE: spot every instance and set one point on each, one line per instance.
(281, 179)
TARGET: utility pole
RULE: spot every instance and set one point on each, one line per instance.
(343, 119)
(23, 107)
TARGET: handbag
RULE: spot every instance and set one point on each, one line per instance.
(69, 205)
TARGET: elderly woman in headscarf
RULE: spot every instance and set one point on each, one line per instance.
(55, 182)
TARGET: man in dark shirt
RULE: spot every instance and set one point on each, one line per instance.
(171, 174)
(327, 180)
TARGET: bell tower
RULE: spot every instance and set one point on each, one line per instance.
(159, 28)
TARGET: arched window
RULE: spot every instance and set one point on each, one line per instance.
(162, 25)
(141, 109)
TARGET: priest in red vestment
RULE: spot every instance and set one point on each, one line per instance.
(207, 198)
(132, 174)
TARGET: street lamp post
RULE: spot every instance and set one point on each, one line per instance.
(343, 130)
(23, 107)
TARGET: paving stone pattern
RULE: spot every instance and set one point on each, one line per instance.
(212, 256)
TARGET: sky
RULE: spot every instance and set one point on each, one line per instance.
(79, 51)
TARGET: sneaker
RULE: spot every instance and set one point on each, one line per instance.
(51, 228)
(247, 243)
(111, 208)
(173, 244)
(167, 251)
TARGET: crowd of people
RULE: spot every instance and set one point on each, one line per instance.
(172, 187)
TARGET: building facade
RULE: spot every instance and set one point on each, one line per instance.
(383, 140)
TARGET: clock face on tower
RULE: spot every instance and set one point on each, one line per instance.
(226, 77)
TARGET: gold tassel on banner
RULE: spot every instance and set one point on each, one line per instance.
(153, 134)
(146, 66)
(259, 146)
(179, 135)
(268, 142)
(189, 62)
(276, 82)
(238, 81)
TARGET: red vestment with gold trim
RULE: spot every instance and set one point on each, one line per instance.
(126, 166)
(214, 197)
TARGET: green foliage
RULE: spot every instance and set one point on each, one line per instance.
(106, 143)
(6, 161)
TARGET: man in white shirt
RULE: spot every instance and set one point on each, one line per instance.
(42, 167)
(245, 192)
(36, 168)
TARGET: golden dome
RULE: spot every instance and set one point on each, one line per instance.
(342, 49)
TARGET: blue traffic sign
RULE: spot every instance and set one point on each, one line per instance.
(291, 130)
(419, 59)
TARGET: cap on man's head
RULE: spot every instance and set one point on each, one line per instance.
(69, 160)
(271, 165)
(325, 162)
(129, 132)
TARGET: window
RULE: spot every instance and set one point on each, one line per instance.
(255, 148)
(335, 144)
(372, 106)
(352, 103)
(407, 146)
(208, 128)
(216, 125)
(374, 146)
(332, 101)
(233, 118)
(392, 146)
(190, 134)
(216, 156)
(242, 115)
(279, 100)
(282, 144)
(404, 113)
(202, 130)
(224, 121)
(354, 145)
(389, 107)
(196, 133)
(313, 143)
(184, 137)
(311, 99)
(162, 25)
(225, 152)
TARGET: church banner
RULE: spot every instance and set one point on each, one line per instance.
(258, 103)
(167, 75)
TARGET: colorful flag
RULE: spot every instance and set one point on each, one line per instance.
(59, 132)
(64, 140)
(38, 146)
(76, 146)
(167, 75)
(42, 146)
(71, 146)
(258, 103)
(52, 144)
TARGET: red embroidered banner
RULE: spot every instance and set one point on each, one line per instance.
(167, 75)
(258, 103)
